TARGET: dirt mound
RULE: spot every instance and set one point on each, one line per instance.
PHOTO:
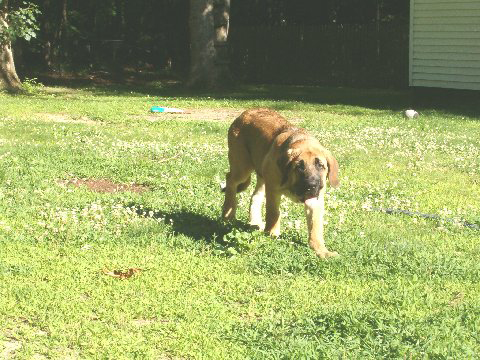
(65, 118)
(105, 185)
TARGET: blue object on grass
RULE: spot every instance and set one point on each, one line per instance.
(162, 109)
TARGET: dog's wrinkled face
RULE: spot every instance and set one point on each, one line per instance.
(306, 172)
(310, 173)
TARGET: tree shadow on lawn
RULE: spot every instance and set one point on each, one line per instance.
(106, 85)
(422, 99)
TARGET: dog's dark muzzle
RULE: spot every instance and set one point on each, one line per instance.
(308, 188)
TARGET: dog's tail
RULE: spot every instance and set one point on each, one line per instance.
(240, 187)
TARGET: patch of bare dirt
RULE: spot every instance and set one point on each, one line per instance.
(104, 185)
(38, 357)
(9, 348)
(66, 118)
(214, 114)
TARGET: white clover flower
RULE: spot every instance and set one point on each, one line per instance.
(86, 247)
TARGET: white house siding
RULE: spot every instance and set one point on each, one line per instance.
(445, 43)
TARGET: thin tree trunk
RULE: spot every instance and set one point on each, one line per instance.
(54, 24)
(62, 47)
(222, 57)
(47, 33)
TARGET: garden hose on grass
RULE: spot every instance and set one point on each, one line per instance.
(428, 216)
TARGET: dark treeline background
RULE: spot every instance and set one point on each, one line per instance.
(334, 42)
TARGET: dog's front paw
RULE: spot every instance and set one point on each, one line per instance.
(325, 254)
(228, 214)
(257, 225)
(275, 232)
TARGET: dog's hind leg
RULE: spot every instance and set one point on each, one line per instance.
(256, 204)
(241, 168)
(236, 182)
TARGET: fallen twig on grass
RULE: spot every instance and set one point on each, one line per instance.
(121, 274)
(168, 159)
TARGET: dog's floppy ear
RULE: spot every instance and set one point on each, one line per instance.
(285, 165)
(332, 171)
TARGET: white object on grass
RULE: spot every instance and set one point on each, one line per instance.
(411, 114)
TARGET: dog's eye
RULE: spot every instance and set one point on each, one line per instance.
(301, 165)
(319, 164)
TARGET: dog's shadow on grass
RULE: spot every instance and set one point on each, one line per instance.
(224, 238)
(194, 225)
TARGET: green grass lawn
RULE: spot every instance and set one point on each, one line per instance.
(405, 286)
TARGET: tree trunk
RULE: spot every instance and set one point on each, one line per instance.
(54, 26)
(202, 44)
(8, 75)
(223, 76)
(61, 36)
(209, 21)
(47, 30)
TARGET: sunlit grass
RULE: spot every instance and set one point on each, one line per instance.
(405, 286)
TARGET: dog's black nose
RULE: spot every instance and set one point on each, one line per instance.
(312, 187)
